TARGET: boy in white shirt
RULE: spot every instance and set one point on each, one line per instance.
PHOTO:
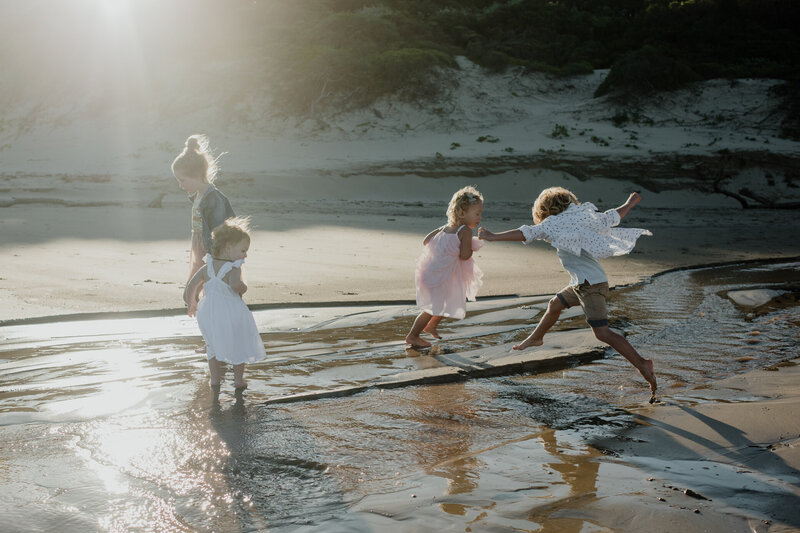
(581, 235)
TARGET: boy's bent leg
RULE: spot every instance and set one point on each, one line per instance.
(554, 308)
(621, 345)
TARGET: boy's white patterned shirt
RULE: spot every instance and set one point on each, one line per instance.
(582, 227)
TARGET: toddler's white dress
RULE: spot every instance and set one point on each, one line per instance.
(225, 321)
(444, 281)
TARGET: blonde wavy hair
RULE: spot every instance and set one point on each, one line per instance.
(552, 201)
(234, 230)
(460, 202)
(197, 159)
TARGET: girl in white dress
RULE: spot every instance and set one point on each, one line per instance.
(581, 235)
(446, 275)
(225, 321)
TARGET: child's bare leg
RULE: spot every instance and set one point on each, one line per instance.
(621, 345)
(413, 336)
(238, 376)
(215, 369)
(433, 323)
(554, 308)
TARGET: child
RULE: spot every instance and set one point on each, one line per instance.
(581, 235)
(225, 321)
(195, 169)
(446, 275)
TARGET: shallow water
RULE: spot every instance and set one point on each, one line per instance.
(110, 425)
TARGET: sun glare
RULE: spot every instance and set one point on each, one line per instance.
(114, 9)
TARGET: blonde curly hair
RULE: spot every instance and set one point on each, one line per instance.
(460, 202)
(234, 230)
(552, 201)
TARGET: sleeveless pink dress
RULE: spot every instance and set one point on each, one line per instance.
(444, 281)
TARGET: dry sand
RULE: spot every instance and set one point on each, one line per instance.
(356, 240)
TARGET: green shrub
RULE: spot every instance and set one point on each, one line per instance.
(645, 71)
(620, 119)
(789, 93)
(559, 132)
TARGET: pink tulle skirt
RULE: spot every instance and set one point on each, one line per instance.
(444, 281)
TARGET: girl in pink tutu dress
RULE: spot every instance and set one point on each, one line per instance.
(446, 275)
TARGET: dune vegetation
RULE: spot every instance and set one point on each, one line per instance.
(314, 55)
(349, 52)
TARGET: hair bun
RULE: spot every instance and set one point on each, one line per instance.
(192, 143)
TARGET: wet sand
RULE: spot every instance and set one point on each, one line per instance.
(110, 424)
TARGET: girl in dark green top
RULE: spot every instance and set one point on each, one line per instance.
(195, 169)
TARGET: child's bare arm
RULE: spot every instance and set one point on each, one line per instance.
(235, 281)
(510, 235)
(191, 293)
(465, 236)
(625, 208)
(429, 236)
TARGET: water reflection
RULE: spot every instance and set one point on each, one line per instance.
(578, 468)
(446, 426)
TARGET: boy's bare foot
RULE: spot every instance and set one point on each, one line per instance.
(432, 332)
(647, 373)
(417, 342)
(527, 343)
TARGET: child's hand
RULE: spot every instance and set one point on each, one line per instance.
(634, 199)
(192, 309)
(485, 234)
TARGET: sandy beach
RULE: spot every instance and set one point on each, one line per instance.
(339, 211)
(357, 193)
(100, 253)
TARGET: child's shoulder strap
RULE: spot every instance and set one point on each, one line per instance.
(224, 269)
(210, 266)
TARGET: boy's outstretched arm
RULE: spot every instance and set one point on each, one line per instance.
(510, 235)
(625, 208)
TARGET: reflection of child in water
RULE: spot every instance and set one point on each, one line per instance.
(581, 235)
(225, 321)
(446, 275)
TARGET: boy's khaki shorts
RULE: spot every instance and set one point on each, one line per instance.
(592, 298)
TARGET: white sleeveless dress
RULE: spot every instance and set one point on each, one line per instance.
(444, 281)
(225, 321)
